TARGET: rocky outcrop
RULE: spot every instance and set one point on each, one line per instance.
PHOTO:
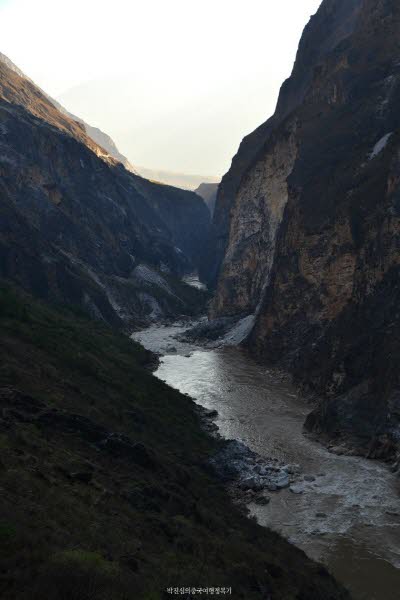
(236, 463)
(308, 224)
(76, 225)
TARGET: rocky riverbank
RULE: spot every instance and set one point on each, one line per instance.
(215, 333)
(339, 509)
(186, 336)
(249, 475)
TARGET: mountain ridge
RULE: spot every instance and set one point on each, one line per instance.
(94, 222)
(97, 135)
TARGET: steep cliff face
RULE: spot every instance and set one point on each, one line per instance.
(333, 22)
(254, 226)
(313, 224)
(77, 226)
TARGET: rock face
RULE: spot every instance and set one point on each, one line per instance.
(334, 21)
(307, 224)
(76, 226)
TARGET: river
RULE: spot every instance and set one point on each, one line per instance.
(349, 517)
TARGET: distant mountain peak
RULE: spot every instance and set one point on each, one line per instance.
(186, 181)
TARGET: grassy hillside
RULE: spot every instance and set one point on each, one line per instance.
(105, 489)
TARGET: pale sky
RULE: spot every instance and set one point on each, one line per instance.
(176, 83)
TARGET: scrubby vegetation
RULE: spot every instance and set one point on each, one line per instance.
(106, 493)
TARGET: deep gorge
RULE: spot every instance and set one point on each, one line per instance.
(273, 302)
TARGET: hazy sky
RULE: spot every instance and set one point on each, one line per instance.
(176, 83)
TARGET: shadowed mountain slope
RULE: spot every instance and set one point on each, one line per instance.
(78, 227)
(106, 488)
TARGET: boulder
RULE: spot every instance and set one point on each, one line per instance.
(292, 469)
(262, 500)
(209, 413)
(252, 483)
(281, 480)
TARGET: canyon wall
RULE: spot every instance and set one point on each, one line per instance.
(333, 22)
(308, 224)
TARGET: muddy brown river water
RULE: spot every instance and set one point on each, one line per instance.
(349, 517)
